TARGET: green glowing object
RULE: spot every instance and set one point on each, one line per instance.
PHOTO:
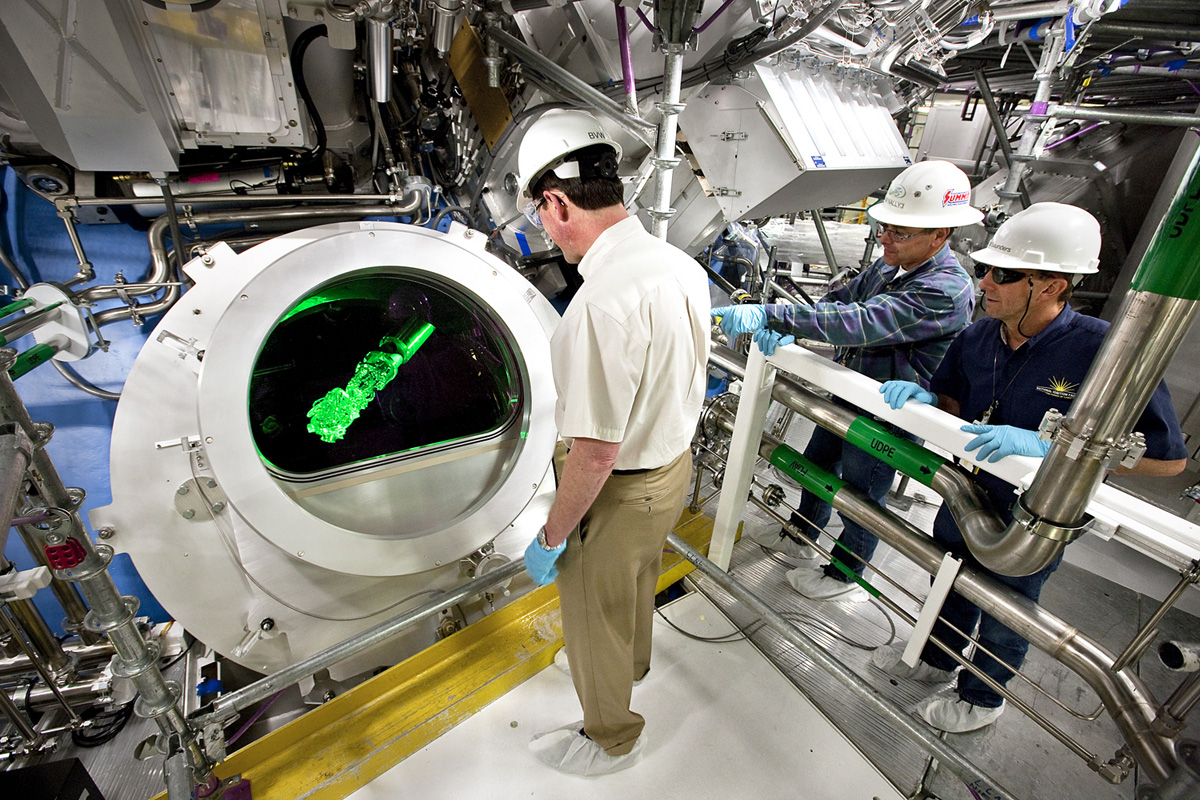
(332, 415)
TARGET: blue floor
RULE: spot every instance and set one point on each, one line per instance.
(36, 238)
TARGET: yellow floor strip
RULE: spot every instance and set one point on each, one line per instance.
(346, 743)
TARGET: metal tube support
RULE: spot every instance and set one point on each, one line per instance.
(44, 647)
(1173, 717)
(86, 563)
(823, 235)
(86, 271)
(668, 126)
(630, 82)
(1035, 120)
(1118, 115)
(989, 102)
(48, 678)
(579, 88)
(901, 721)
(67, 594)
(380, 40)
(228, 705)
(84, 656)
(14, 715)
(1145, 636)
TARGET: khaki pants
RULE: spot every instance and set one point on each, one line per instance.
(606, 582)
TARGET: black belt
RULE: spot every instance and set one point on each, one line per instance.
(633, 471)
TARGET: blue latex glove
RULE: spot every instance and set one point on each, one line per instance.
(737, 320)
(768, 340)
(999, 441)
(897, 392)
(539, 562)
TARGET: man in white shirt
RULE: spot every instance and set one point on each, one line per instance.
(630, 368)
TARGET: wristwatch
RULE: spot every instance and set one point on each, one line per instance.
(541, 539)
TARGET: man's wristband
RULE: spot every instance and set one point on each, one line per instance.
(541, 539)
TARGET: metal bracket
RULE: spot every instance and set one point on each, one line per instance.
(185, 347)
(1126, 451)
(732, 136)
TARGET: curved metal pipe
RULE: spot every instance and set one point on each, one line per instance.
(160, 269)
(1124, 695)
(1003, 548)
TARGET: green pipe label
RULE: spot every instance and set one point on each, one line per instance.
(905, 455)
(1171, 266)
(821, 482)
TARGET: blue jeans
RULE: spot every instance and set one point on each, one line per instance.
(964, 615)
(862, 471)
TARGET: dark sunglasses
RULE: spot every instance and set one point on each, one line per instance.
(1000, 275)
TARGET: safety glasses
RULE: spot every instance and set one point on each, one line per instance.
(1000, 275)
(882, 229)
(533, 212)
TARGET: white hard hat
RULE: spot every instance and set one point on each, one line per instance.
(1046, 236)
(931, 194)
(555, 135)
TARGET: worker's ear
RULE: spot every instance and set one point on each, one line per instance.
(556, 204)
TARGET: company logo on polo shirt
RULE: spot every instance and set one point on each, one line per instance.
(1060, 388)
(953, 198)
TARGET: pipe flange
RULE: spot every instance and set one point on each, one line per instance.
(148, 710)
(131, 669)
(95, 625)
(1047, 530)
(723, 406)
(91, 566)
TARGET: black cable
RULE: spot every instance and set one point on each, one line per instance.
(106, 724)
(725, 285)
(306, 37)
(732, 636)
(452, 210)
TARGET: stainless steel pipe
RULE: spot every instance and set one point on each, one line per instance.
(901, 721)
(1125, 697)
(668, 129)
(111, 613)
(159, 277)
(1119, 115)
(228, 705)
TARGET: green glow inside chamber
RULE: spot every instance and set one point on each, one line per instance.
(379, 366)
(331, 416)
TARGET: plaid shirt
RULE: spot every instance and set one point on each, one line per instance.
(888, 327)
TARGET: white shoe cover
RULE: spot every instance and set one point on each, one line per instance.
(814, 584)
(949, 712)
(887, 658)
(795, 549)
(568, 750)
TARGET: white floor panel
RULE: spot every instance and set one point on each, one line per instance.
(721, 722)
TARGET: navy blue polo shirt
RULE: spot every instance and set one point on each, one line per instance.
(1043, 373)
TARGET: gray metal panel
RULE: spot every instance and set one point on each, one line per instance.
(67, 72)
(791, 138)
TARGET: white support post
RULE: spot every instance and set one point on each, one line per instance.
(743, 452)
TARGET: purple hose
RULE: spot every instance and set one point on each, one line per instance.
(716, 14)
(1072, 136)
(642, 16)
